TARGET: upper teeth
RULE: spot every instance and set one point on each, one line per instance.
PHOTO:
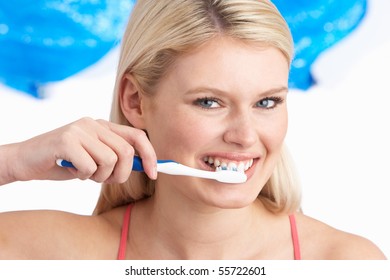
(221, 164)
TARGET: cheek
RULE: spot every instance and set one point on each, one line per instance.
(272, 138)
(274, 133)
(173, 137)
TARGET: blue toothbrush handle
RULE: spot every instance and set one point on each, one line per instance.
(137, 164)
(65, 163)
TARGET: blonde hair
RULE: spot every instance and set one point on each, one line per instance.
(157, 33)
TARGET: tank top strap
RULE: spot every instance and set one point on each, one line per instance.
(124, 233)
(295, 237)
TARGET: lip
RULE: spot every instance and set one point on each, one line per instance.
(232, 157)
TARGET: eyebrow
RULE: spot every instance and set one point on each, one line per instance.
(218, 91)
(275, 90)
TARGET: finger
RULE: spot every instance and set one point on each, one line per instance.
(123, 165)
(140, 142)
(111, 154)
(124, 153)
(123, 150)
(96, 152)
(85, 165)
(67, 145)
(104, 157)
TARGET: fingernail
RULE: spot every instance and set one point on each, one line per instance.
(155, 172)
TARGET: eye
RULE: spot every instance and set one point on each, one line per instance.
(207, 103)
(269, 102)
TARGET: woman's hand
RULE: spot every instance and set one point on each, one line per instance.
(100, 150)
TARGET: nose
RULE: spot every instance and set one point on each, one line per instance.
(241, 131)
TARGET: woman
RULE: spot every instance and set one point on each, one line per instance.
(203, 83)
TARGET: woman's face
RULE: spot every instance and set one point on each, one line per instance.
(223, 104)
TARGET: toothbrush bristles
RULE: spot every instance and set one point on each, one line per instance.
(225, 168)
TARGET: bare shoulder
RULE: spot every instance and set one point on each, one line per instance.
(58, 235)
(321, 241)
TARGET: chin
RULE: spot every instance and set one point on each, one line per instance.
(231, 202)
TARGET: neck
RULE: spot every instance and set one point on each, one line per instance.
(183, 230)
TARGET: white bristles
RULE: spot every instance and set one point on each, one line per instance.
(224, 176)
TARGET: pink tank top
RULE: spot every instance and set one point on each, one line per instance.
(126, 223)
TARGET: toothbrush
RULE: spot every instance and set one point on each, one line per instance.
(173, 168)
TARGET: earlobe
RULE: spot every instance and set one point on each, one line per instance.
(131, 101)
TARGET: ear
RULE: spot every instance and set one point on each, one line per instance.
(131, 101)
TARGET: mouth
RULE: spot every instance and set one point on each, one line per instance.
(218, 164)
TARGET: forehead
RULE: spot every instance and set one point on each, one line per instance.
(225, 62)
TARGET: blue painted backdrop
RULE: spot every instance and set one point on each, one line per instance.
(49, 40)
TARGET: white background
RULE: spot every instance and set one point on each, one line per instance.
(339, 133)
